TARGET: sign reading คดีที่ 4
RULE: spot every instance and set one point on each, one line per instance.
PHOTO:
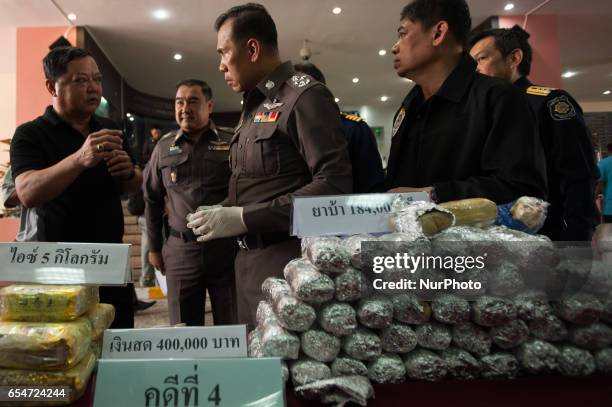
(65, 263)
(345, 214)
(193, 383)
(227, 341)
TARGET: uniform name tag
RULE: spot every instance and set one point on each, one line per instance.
(265, 117)
(223, 147)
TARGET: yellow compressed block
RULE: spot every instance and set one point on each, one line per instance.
(44, 346)
(101, 317)
(76, 378)
(46, 303)
(472, 212)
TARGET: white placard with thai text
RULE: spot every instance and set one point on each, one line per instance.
(345, 214)
(228, 341)
(65, 263)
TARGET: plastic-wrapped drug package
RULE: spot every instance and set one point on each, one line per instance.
(471, 337)
(46, 303)
(327, 254)
(338, 318)
(345, 365)
(398, 338)
(306, 370)
(387, 368)
(308, 284)
(575, 362)
(424, 365)
(460, 364)
(510, 334)
(593, 337)
(292, 313)
(499, 365)
(538, 357)
(450, 309)
(433, 335)
(101, 317)
(375, 312)
(362, 344)
(320, 345)
(492, 311)
(409, 309)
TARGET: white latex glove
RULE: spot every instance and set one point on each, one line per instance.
(210, 224)
(199, 209)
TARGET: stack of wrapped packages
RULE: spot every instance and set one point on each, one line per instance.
(336, 334)
(50, 335)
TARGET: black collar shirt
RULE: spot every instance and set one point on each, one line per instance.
(476, 137)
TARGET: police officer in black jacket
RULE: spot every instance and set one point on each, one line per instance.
(458, 134)
(571, 168)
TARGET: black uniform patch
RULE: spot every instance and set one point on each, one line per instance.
(561, 108)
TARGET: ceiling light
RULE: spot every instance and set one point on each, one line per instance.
(607, 92)
(131, 118)
(242, 102)
(161, 14)
(569, 74)
(336, 10)
(71, 16)
(384, 98)
(336, 100)
(178, 57)
(382, 52)
(508, 6)
(128, 114)
(355, 80)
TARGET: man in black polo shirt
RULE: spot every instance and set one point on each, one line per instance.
(71, 166)
(458, 134)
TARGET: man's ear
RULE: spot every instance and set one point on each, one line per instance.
(439, 33)
(50, 85)
(210, 105)
(254, 49)
(516, 57)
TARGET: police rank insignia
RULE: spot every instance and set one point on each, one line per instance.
(274, 105)
(398, 121)
(175, 150)
(218, 146)
(539, 90)
(300, 80)
(265, 117)
(269, 85)
(561, 108)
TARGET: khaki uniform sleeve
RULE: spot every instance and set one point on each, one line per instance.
(154, 195)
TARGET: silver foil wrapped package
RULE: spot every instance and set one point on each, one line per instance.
(305, 370)
(471, 337)
(532, 305)
(450, 309)
(433, 335)
(339, 391)
(409, 309)
(579, 309)
(505, 280)
(421, 218)
(575, 362)
(255, 348)
(375, 312)
(492, 311)
(424, 365)
(345, 365)
(362, 344)
(398, 338)
(320, 345)
(550, 328)
(327, 254)
(308, 284)
(352, 286)
(599, 280)
(500, 365)
(594, 336)
(276, 341)
(510, 335)
(538, 357)
(603, 360)
(285, 375)
(387, 368)
(292, 313)
(353, 246)
(460, 364)
(338, 318)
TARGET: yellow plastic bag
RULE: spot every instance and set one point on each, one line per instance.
(46, 303)
(101, 317)
(44, 346)
(76, 378)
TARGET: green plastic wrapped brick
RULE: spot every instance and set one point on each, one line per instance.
(46, 303)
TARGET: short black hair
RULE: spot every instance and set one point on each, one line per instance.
(429, 12)
(310, 69)
(55, 63)
(251, 20)
(506, 41)
(206, 90)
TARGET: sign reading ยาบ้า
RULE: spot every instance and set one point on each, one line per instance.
(227, 341)
(346, 214)
(193, 383)
(65, 263)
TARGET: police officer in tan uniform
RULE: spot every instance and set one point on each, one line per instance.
(189, 167)
(289, 142)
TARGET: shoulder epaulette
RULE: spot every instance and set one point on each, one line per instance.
(352, 117)
(539, 90)
(167, 135)
(226, 129)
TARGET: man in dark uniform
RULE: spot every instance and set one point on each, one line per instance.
(71, 166)
(289, 142)
(368, 173)
(458, 134)
(190, 167)
(570, 157)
